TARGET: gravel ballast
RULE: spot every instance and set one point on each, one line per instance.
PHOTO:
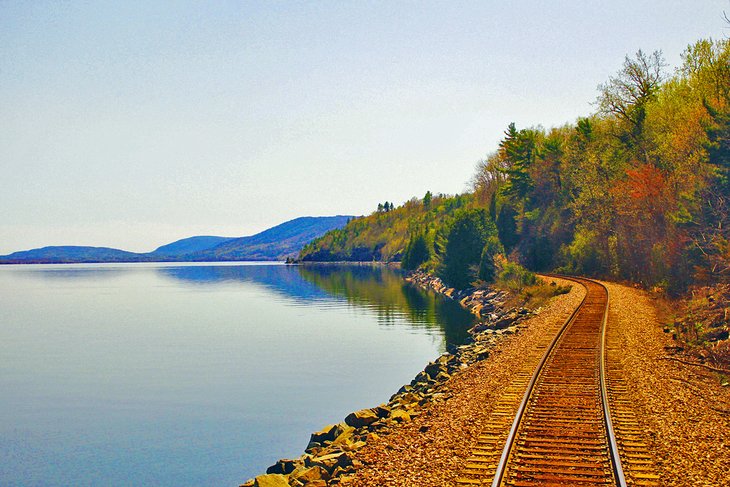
(684, 409)
(431, 449)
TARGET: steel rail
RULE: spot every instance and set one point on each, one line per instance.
(612, 444)
(618, 470)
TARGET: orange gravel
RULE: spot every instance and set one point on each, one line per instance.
(431, 449)
(683, 409)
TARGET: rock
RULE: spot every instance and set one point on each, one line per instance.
(421, 377)
(344, 437)
(354, 446)
(332, 461)
(248, 483)
(400, 415)
(481, 353)
(310, 474)
(442, 377)
(283, 467)
(313, 446)
(316, 483)
(271, 480)
(505, 321)
(433, 369)
(478, 328)
(328, 433)
(382, 411)
(361, 418)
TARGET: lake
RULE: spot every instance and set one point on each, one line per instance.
(197, 374)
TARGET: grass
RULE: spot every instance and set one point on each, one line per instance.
(526, 288)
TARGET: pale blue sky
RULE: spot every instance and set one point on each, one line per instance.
(132, 124)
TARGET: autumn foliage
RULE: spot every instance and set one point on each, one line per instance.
(638, 190)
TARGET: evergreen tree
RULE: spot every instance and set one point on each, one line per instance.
(416, 252)
(465, 240)
(507, 226)
(427, 200)
(487, 268)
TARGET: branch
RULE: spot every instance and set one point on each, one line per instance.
(714, 369)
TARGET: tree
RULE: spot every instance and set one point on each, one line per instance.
(507, 226)
(427, 200)
(519, 149)
(638, 80)
(487, 267)
(416, 252)
(464, 242)
(627, 94)
(713, 238)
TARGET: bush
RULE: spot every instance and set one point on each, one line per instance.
(514, 277)
(487, 266)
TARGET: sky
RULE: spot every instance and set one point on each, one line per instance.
(133, 124)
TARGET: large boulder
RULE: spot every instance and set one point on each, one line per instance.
(310, 474)
(328, 433)
(283, 467)
(361, 418)
(330, 462)
(344, 437)
(271, 480)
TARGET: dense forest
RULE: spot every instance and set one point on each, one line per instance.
(638, 190)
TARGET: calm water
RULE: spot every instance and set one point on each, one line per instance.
(188, 375)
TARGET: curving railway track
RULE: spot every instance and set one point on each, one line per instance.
(563, 430)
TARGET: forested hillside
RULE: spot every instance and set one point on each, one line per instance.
(638, 190)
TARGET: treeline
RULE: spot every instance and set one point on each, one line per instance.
(384, 235)
(638, 190)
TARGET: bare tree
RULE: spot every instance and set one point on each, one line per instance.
(626, 93)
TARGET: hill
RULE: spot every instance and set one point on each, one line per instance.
(70, 255)
(189, 245)
(276, 243)
(384, 235)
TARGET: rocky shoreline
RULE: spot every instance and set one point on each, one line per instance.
(331, 455)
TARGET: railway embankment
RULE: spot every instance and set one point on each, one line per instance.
(425, 434)
(350, 452)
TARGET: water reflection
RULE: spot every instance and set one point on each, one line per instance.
(282, 279)
(236, 362)
(385, 291)
(379, 289)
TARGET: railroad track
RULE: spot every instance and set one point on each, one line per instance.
(557, 425)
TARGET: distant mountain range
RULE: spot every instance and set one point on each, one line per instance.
(275, 244)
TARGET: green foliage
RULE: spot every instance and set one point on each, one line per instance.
(416, 253)
(507, 226)
(639, 190)
(466, 236)
(384, 235)
(514, 277)
(487, 265)
(520, 150)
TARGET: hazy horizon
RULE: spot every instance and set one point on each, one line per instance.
(155, 246)
(133, 125)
